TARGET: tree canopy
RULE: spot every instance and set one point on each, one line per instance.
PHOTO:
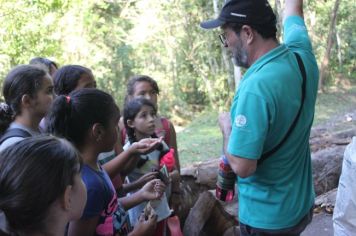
(160, 38)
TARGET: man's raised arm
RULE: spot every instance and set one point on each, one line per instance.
(293, 7)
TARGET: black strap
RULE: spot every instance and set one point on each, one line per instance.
(291, 128)
(15, 132)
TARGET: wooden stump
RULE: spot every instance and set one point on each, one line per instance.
(208, 217)
(327, 168)
(194, 181)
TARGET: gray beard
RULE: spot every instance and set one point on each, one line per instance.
(240, 58)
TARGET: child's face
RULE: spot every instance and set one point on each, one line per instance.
(145, 90)
(111, 133)
(144, 122)
(86, 81)
(44, 97)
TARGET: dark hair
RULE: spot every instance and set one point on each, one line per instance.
(72, 116)
(34, 173)
(131, 109)
(140, 78)
(265, 30)
(21, 80)
(66, 78)
(43, 61)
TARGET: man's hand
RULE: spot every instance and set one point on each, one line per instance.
(225, 123)
(225, 127)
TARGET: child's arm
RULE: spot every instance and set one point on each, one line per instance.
(150, 191)
(83, 226)
(129, 187)
(126, 161)
(122, 161)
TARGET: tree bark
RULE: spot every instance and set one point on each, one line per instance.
(330, 41)
(234, 72)
(208, 217)
(327, 165)
(278, 11)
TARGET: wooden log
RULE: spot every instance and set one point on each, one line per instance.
(326, 171)
(324, 139)
(208, 217)
(327, 168)
(204, 173)
(199, 214)
(194, 181)
(328, 198)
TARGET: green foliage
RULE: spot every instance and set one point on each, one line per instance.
(120, 38)
(201, 140)
(343, 58)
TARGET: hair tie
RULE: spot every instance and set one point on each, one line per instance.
(5, 107)
(67, 99)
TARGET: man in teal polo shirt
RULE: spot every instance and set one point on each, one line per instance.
(266, 137)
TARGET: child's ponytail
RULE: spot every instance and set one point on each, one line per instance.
(6, 117)
(72, 116)
(59, 117)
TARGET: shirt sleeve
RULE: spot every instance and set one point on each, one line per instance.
(95, 198)
(10, 141)
(250, 122)
(296, 34)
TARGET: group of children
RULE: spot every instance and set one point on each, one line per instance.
(72, 164)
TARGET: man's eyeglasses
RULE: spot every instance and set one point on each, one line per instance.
(223, 40)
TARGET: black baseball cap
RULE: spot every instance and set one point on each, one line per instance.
(249, 12)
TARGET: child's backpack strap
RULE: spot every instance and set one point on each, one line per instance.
(15, 132)
(167, 129)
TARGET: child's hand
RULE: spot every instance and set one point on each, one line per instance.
(145, 226)
(146, 178)
(152, 190)
(146, 145)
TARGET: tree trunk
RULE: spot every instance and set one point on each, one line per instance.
(233, 73)
(278, 11)
(330, 41)
(338, 43)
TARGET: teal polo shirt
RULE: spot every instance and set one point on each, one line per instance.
(280, 192)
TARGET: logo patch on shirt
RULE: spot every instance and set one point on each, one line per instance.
(240, 120)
